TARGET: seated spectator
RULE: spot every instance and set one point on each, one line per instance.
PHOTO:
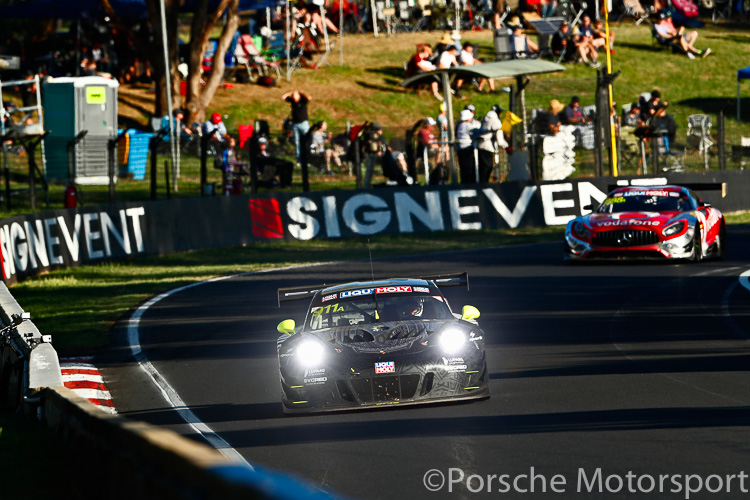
(574, 114)
(466, 58)
(588, 33)
(633, 117)
(520, 45)
(321, 145)
(678, 39)
(273, 171)
(586, 49)
(601, 34)
(395, 167)
(179, 118)
(420, 63)
(553, 116)
(447, 59)
(562, 42)
(443, 44)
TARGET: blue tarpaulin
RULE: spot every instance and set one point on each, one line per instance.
(743, 74)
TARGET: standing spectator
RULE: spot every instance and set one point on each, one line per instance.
(373, 149)
(490, 141)
(465, 147)
(426, 140)
(300, 124)
(574, 114)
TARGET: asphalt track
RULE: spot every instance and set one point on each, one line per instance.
(620, 368)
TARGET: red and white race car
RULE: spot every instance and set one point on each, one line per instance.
(648, 222)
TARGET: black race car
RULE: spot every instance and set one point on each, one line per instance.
(380, 343)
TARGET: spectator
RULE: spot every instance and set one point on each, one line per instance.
(601, 33)
(633, 117)
(426, 140)
(490, 141)
(420, 63)
(655, 106)
(448, 59)
(300, 124)
(271, 168)
(678, 38)
(443, 44)
(548, 8)
(373, 150)
(185, 132)
(466, 58)
(216, 129)
(574, 114)
(465, 147)
(318, 146)
(553, 116)
(520, 45)
(561, 42)
(583, 41)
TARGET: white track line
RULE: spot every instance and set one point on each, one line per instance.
(170, 395)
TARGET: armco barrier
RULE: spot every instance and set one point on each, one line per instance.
(35, 243)
(120, 458)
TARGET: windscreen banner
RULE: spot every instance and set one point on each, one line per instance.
(36, 243)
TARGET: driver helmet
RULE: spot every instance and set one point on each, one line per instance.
(410, 307)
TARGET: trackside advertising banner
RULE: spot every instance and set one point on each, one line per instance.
(33, 244)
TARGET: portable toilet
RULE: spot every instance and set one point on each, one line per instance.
(71, 106)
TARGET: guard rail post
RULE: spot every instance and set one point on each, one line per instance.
(721, 141)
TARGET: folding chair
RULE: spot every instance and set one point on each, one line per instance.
(248, 55)
(699, 135)
(722, 10)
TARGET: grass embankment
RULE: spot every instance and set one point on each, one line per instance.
(366, 88)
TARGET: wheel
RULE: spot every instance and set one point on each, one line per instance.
(721, 242)
(697, 246)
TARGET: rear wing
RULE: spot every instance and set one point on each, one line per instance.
(290, 294)
(695, 186)
(298, 293)
(448, 280)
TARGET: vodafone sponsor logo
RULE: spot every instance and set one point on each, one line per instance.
(631, 222)
(393, 289)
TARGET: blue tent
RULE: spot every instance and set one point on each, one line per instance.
(743, 74)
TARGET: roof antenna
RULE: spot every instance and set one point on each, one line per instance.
(369, 250)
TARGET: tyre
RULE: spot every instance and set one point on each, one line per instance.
(697, 246)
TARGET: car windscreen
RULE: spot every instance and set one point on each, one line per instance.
(645, 201)
(333, 310)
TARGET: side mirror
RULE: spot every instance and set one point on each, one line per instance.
(704, 204)
(469, 312)
(588, 207)
(286, 326)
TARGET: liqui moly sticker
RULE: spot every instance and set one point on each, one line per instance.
(393, 289)
(356, 293)
(385, 367)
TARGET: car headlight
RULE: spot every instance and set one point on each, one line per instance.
(310, 353)
(451, 340)
(580, 229)
(675, 228)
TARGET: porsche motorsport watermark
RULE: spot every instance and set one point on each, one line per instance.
(586, 482)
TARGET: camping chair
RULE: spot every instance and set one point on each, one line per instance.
(248, 55)
(699, 134)
(722, 10)
(674, 159)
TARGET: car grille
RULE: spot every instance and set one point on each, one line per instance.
(625, 238)
(388, 388)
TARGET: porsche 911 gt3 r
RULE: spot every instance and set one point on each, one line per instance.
(380, 343)
(669, 222)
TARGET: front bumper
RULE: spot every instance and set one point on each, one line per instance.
(356, 387)
(679, 247)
